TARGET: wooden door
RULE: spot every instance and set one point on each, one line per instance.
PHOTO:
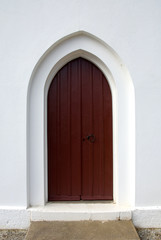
(80, 152)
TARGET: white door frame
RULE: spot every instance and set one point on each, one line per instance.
(82, 44)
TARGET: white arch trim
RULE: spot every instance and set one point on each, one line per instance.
(82, 44)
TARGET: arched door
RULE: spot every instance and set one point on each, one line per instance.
(80, 151)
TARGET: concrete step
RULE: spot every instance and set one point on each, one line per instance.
(82, 230)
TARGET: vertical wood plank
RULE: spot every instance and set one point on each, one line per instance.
(52, 138)
(108, 140)
(64, 136)
(87, 129)
(75, 128)
(99, 134)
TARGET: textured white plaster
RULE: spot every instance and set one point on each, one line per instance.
(14, 219)
(147, 217)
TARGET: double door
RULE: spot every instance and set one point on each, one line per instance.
(80, 152)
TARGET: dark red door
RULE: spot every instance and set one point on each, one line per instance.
(80, 154)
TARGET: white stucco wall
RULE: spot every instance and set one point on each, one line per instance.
(28, 28)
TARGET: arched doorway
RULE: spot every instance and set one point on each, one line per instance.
(85, 45)
(79, 134)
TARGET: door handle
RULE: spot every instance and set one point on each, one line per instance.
(91, 138)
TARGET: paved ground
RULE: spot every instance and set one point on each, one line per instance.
(12, 234)
(83, 230)
(149, 234)
(145, 234)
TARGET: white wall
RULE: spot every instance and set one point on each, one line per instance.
(28, 28)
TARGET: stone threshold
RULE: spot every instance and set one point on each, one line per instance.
(59, 211)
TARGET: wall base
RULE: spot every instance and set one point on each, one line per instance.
(20, 218)
(147, 217)
(14, 218)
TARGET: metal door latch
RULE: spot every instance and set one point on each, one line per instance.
(90, 138)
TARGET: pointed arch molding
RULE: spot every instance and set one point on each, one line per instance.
(82, 44)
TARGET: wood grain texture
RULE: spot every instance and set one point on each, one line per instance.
(80, 104)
